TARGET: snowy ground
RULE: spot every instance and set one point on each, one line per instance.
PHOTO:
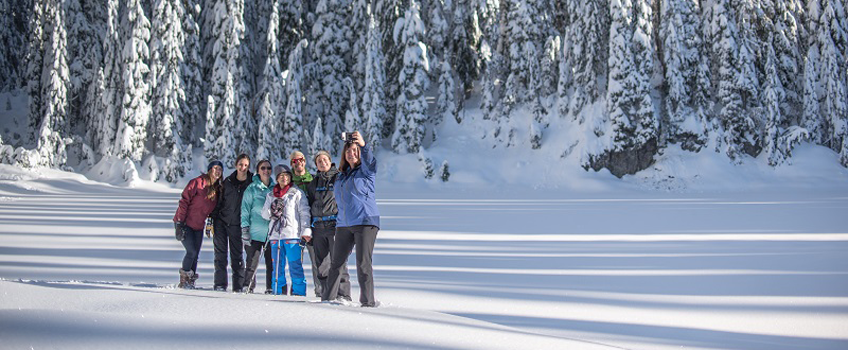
(757, 259)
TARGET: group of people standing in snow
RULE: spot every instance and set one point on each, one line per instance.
(330, 213)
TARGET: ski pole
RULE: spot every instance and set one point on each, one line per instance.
(261, 254)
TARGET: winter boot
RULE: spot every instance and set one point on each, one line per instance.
(183, 280)
(192, 277)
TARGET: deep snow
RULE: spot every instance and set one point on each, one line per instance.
(694, 252)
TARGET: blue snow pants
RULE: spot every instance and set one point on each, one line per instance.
(290, 252)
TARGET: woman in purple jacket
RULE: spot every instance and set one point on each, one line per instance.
(358, 219)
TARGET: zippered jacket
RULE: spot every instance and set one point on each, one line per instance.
(294, 221)
(251, 209)
(322, 202)
(355, 194)
(228, 209)
(193, 207)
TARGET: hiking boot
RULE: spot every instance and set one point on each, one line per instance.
(183, 280)
(192, 277)
(219, 288)
(268, 291)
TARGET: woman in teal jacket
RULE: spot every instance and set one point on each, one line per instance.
(254, 228)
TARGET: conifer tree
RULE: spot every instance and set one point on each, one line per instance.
(373, 98)
(105, 99)
(773, 94)
(437, 33)
(135, 108)
(331, 44)
(293, 124)
(831, 40)
(34, 59)
(388, 12)
(446, 105)
(272, 104)
(464, 46)
(682, 51)
(193, 110)
(588, 38)
(168, 90)
(631, 112)
(414, 79)
(7, 45)
(55, 83)
(292, 28)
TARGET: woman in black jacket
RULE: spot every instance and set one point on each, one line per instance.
(227, 216)
(323, 208)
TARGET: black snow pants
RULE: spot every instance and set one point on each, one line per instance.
(228, 238)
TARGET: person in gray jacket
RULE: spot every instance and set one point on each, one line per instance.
(324, 212)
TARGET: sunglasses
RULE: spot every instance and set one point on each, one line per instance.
(265, 168)
(298, 160)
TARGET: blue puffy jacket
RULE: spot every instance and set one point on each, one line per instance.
(251, 209)
(354, 192)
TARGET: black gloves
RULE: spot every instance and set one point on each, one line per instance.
(179, 228)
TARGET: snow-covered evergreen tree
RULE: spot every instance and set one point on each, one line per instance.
(34, 60)
(736, 125)
(108, 94)
(331, 43)
(194, 109)
(414, 80)
(135, 108)
(446, 105)
(293, 125)
(564, 83)
(373, 97)
(773, 94)
(167, 41)
(272, 103)
(84, 57)
(55, 82)
(629, 104)
(359, 19)
(7, 44)
(437, 34)
(292, 28)
(786, 44)
(587, 38)
(549, 66)
(684, 119)
(464, 46)
(831, 40)
(222, 137)
(426, 165)
(388, 12)
(444, 171)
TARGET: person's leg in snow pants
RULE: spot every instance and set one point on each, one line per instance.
(323, 239)
(192, 243)
(288, 252)
(228, 239)
(347, 238)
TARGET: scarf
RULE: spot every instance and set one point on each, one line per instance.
(279, 192)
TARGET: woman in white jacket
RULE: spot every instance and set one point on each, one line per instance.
(288, 209)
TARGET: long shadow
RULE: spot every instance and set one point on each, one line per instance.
(680, 336)
(90, 236)
(28, 327)
(93, 222)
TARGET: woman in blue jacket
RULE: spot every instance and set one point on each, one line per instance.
(358, 219)
(254, 228)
